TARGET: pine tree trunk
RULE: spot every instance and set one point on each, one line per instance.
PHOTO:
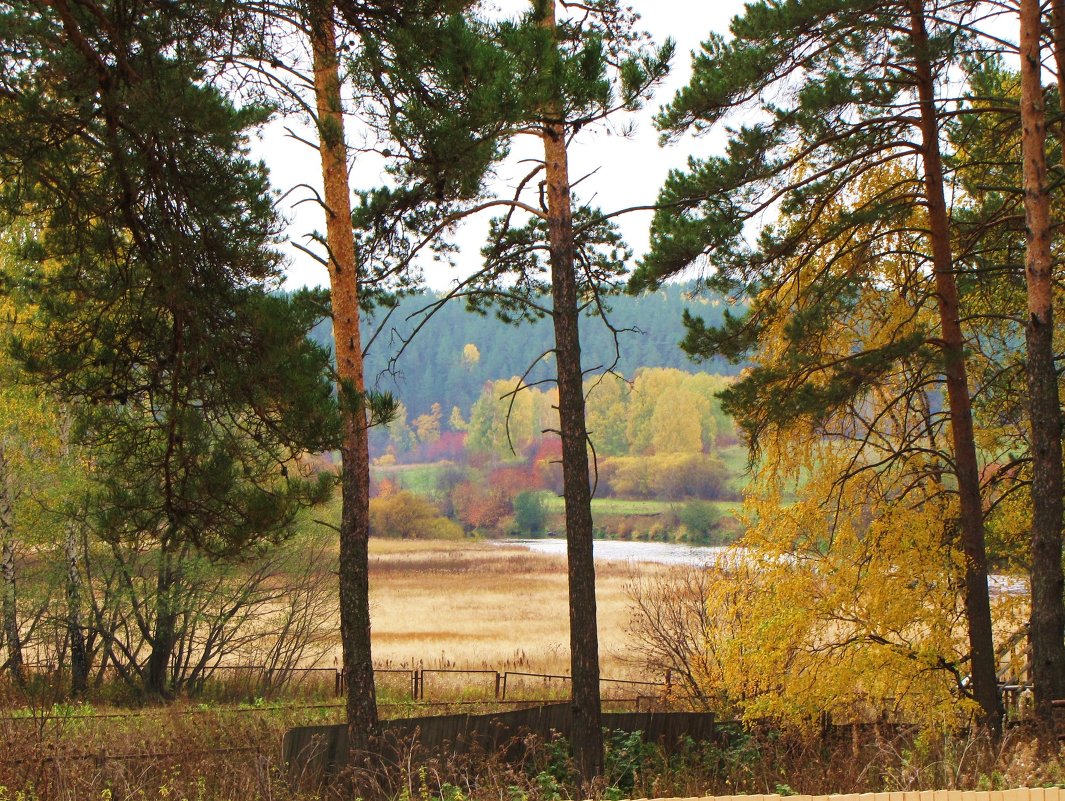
(79, 658)
(1057, 19)
(584, 641)
(977, 599)
(8, 609)
(1047, 624)
(157, 681)
(355, 478)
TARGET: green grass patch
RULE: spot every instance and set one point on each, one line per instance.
(611, 506)
(735, 459)
(634, 508)
(419, 478)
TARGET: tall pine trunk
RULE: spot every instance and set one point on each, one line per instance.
(1047, 624)
(584, 640)
(354, 450)
(164, 630)
(8, 595)
(1057, 23)
(977, 599)
(79, 658)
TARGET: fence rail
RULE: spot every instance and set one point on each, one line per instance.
(445, 685)
(486, 683)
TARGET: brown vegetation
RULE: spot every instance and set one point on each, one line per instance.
(206, 755)
(485, 605)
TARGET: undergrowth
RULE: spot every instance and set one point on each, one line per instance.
(219, 755)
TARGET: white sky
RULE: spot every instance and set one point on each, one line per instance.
(629, 169)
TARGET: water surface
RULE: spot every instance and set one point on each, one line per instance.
(671, 553)
(667, 553)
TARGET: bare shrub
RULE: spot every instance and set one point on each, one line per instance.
(672, 630)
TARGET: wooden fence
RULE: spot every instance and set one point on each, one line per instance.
(509, 685)
(236, 681)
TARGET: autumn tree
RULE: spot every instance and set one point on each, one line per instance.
(427, 426)
(29, 469)
(855, 87)
(409, 516)
(505, 423)
(845, 596)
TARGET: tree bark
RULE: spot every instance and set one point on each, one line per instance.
(157, 680)
(79, 658)
(977, 599)
(355, 477)
(1047, 623)
(8, 595)
(584, 640)
(1057, 21)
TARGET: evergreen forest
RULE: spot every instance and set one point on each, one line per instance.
(436, 367)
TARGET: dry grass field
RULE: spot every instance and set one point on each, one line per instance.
(478, 604)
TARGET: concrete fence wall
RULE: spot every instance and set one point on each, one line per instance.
(315, 754)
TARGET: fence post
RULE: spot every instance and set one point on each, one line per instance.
(338, 683)
(503, 695)
(497, 685)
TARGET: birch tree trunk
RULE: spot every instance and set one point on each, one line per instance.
(79, 658)
(8, 595)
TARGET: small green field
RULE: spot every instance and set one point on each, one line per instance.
(634, 508)
(419, 478)
(612, 506)
(735, 458)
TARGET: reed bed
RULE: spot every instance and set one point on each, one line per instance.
(482, 605)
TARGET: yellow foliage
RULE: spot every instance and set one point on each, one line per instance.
(845, 596)
(34, 436)
(852, 605)
(409, 516)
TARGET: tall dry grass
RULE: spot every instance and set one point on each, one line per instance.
(481, 605)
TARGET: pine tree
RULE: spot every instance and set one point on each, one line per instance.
(462, 95)
(857, 87)
(1047, 624)
(147, 256)
(344, 279)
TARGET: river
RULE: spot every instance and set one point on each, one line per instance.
(670, 553)
(667, 553)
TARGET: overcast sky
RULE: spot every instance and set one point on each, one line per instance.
(627, 170)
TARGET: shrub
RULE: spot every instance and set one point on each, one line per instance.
(674, 477)
(409, 516)
(530, 514)
(478, 506)
(701, 519)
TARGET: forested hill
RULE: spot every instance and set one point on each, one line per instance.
(438, 367)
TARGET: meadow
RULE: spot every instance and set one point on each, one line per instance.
(488, 605)
(636, 508)
(475, 605)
